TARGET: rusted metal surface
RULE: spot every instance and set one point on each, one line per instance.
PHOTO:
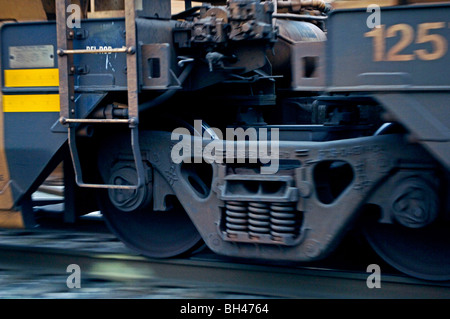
(132, 75)
(66, 82)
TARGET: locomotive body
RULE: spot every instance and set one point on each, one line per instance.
(264, 129)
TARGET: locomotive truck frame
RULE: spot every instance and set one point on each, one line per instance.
(362, 118)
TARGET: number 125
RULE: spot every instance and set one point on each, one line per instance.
(406, 32)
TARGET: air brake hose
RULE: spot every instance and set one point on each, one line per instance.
(169, 93)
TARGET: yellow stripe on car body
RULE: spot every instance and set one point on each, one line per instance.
(31, 103)
(31, 78)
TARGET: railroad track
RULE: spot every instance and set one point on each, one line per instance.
(108, 269)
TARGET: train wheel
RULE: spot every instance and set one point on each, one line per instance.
(421, 253)
(417, 242)
(130, 217)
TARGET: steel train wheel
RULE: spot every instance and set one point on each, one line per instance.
(422, 253)
(413, 244)
(130, 216)
(153, 234)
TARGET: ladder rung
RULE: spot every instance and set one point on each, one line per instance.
(99, 121)
(129, 50)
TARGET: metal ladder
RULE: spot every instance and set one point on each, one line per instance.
(65, 37)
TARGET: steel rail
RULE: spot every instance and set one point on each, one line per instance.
(213, 272)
